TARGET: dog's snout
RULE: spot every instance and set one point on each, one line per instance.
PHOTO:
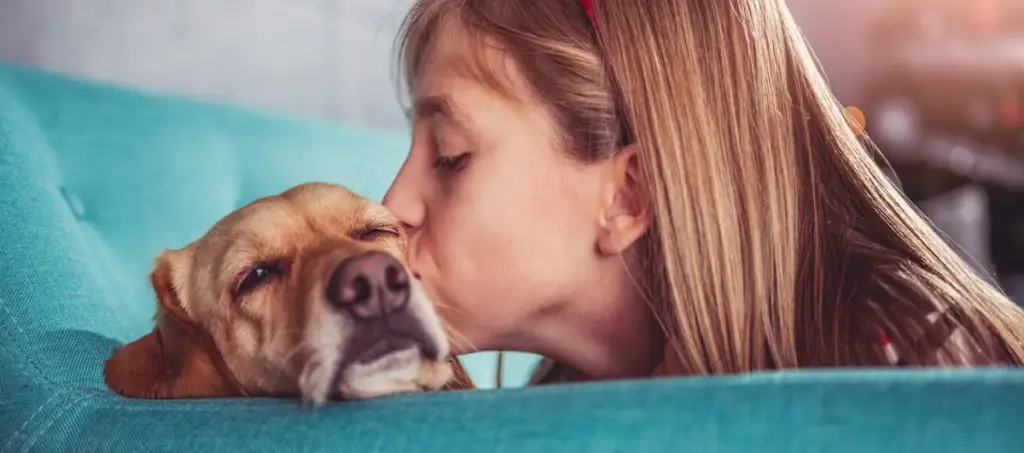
(369, 285)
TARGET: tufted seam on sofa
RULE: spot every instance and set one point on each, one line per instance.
(45, 405)
(82, 399)
(42, 378)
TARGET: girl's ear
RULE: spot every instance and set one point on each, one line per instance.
(626, 213)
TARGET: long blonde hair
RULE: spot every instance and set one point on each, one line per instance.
(777, 242)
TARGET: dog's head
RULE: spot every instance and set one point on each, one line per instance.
(298, 294)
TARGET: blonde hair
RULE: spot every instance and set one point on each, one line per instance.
(777, 241)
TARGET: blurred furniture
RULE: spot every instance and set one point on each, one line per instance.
(957, 106)
(947, 109)
(95, 180)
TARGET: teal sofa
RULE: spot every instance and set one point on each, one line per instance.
(95, 179)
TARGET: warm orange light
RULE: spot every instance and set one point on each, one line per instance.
(855, 117)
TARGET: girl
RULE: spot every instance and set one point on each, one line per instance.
(666, 187)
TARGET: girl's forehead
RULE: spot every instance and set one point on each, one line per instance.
(447, 58)
(454, 51)
(452, 64)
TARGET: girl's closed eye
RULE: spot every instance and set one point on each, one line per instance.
(446, 141)
(451, 163)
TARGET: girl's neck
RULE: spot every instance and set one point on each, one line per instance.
(608, 333)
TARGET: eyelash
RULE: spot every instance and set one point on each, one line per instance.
(376, 234)
(256, 277)
(445, 163)
(451, 163)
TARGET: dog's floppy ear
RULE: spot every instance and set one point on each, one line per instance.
(171, 361)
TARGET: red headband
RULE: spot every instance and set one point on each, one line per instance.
(589, 8)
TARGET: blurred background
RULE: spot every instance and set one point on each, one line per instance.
(941, 83)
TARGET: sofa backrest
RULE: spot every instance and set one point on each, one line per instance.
(96, 180)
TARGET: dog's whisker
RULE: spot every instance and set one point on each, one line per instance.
(449, 307)
(304, 379)
(288, 356)
(460, 340)
(313, 390)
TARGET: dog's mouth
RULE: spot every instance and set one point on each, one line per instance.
(385, 347)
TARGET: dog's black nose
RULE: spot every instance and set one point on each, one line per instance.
(369, 285)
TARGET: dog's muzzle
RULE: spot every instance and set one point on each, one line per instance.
(374, 291)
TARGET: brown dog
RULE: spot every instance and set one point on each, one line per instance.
(298, 294)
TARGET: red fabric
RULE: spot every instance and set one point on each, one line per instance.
(589, 8)
(1010, 113)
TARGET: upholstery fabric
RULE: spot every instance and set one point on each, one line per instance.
(96, 179)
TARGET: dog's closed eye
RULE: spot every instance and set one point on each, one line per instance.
(255, 277)
(377, 233)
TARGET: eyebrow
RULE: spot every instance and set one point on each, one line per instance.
(444, 106)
